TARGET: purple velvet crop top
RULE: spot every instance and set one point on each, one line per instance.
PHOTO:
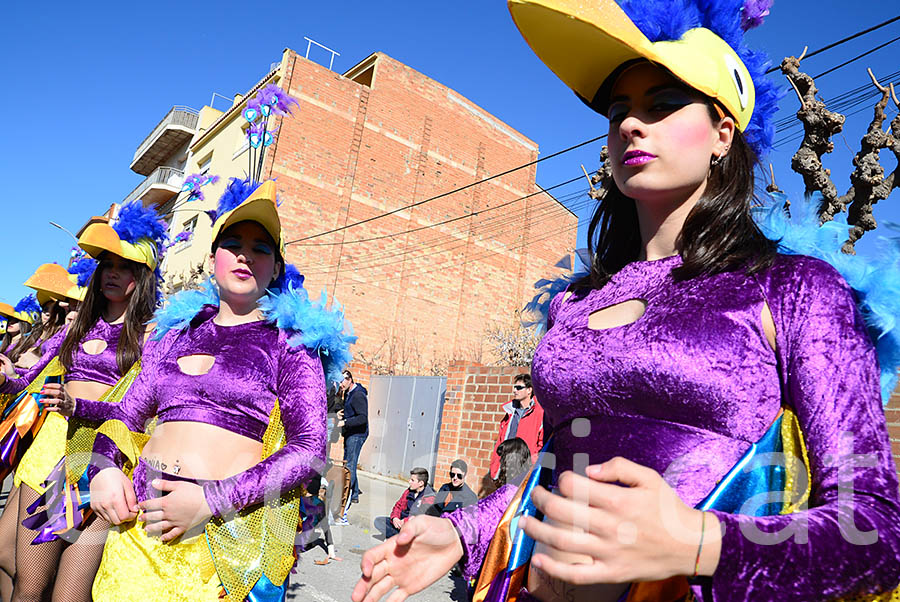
(99, 368)
(690, 385)
(253, 366)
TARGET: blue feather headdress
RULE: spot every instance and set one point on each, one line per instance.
(83, 269)
(236, 192)
(135, 222)
(28, 309)
(286, 305)
(664, 20)
(875, 280)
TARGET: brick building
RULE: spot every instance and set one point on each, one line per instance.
(423, 284)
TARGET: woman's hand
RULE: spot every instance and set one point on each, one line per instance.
(628, 520)
(112, 496)
(172, 515)
(424, 550)
(56, 399)
(7, 369)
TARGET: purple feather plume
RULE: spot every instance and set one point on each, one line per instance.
(28, 305)
(754, 12)
(83, 268)
(278, 99)
(194, 183)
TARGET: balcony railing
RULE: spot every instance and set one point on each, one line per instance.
(178, 119)
(166, 180)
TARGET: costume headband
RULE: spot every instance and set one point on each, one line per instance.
(586, 44)
(244, 200)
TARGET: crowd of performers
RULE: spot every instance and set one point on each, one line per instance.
(160, 448)
(712, 387)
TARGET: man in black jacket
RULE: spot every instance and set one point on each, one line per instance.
(355, 429)
(455, 494)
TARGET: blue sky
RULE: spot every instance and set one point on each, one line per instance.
(86, 83)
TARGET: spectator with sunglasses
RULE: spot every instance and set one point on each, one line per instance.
(455, 494)
(523, 418)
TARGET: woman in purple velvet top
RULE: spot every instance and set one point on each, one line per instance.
(221, 376)
(664, 365)
(95, 350)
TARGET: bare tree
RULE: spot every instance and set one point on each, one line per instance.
(512, 345)
(868, 181)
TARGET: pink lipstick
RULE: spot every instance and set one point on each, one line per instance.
(637, 157)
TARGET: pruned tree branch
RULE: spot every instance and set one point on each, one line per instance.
(819, 125)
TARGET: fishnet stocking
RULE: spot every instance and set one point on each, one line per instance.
(67, 568)
(8, 544)
(35, 565)
(79, 563)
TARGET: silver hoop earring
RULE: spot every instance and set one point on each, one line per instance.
(715, 162)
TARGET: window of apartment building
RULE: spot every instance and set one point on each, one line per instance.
(203, 165)
(244, 142)
(184, 239)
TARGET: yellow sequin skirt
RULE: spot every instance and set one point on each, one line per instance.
(138, 567)
(43, 454)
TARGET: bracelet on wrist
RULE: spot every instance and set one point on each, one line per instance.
(700, 546)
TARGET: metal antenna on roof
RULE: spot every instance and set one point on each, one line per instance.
(334, 53)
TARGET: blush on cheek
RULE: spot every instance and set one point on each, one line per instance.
(225, 262)
(690, 134)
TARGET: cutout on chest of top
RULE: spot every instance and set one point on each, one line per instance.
(196, 365)
(94, 346)
(620, 314)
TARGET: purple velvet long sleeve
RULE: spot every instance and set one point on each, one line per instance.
(301, 397)
(831, 379)
(51, 350)
(476, 525)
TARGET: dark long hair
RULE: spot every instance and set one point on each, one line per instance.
(28, 339)
(39, 331)
(138, 313)
(718, 235)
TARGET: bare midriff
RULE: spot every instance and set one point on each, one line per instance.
(86, 389)
(200, 451)
(549, 589)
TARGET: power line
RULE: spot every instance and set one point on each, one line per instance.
(501, 226)
(839, 42)
(447, 221)
(856, 58)
(483, 231)
(448, 193)
(518, 247)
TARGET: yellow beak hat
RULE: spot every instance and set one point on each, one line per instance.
(244, 200)
(139, 234)
(26, 310)
(52, 281)
(587, 44)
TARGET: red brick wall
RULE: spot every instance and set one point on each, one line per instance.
(472, 411)
(471, 417)
(416, 299)
(892, 412)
